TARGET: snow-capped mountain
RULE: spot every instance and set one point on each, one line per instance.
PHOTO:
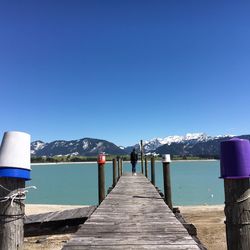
(196, 144)
(84, 147)
(202, 147)
(153, 144)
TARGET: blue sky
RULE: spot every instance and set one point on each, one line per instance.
(124, 70)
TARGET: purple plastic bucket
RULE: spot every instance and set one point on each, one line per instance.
(235, 159)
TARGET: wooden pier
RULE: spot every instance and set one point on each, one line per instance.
(132, 216)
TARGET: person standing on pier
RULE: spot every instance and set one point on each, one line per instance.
(133, 160)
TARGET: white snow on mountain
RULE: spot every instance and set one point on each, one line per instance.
(37, 145)
(85, 144)
(74, 154)
(154, 143)
(220, 136)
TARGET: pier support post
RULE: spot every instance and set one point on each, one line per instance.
(118, 168)
(121, 166)
(101, 177)
(237, 207)
(166, 178)
(11, 220)
(146, 167)
(235, 169)
(141, 143)
(153, 170)
(14, 171)
(114, 173)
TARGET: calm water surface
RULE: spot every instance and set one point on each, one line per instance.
(192, 183)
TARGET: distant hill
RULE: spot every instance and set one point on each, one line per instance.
(82, 147)
(198, 144)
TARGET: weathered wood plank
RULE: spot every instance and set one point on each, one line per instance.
(60, 215)
(66, 221)
(100, 229)
(132, 216)
(141, 239)
(134, 247)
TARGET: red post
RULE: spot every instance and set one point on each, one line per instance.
(101, 160)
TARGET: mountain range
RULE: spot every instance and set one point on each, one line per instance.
(196, 144)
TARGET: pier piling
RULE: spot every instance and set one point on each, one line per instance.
(235, 170)
(121, 166)
(101, 177)
(141, 143)
(166, 178)
(118, 168)
(146, 167)
(114, 173)
(236, 210)
(11, 221)
(14, 171)
(153, 170)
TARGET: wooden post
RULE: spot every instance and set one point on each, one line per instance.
(167, 184)
(153, 170)
(114, 173)
(234, 164)
(119, 166)
(237, 207)
(146, 167)
(142, 156)
(101, 182)
(11, 215)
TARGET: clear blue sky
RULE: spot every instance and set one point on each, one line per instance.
(124, 70)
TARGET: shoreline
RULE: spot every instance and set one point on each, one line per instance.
(63, 163)
(207, 208)
(43, 208)
(93, 162)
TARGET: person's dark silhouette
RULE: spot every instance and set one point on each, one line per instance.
(133, 160)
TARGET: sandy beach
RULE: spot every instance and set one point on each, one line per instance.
(209, 221)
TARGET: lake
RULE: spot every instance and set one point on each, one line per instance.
(193, 182)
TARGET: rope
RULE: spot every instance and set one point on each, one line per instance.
(244, 197)
(11, 218)
(245, 223)
(15, 195)
(6, 189)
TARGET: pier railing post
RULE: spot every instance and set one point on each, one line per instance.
(141, 143)
(237, 214)
(146, 166)
(114, 172)
(14, 171)
(153, 170)
(118, 167)
(101, 177)
(235, 169)
(121, 166)
(166, 178)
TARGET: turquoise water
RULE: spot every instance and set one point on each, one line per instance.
(192, 183)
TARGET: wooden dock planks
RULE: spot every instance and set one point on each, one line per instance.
(66, 221)
(132, 216)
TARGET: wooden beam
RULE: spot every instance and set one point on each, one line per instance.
(60, 222)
